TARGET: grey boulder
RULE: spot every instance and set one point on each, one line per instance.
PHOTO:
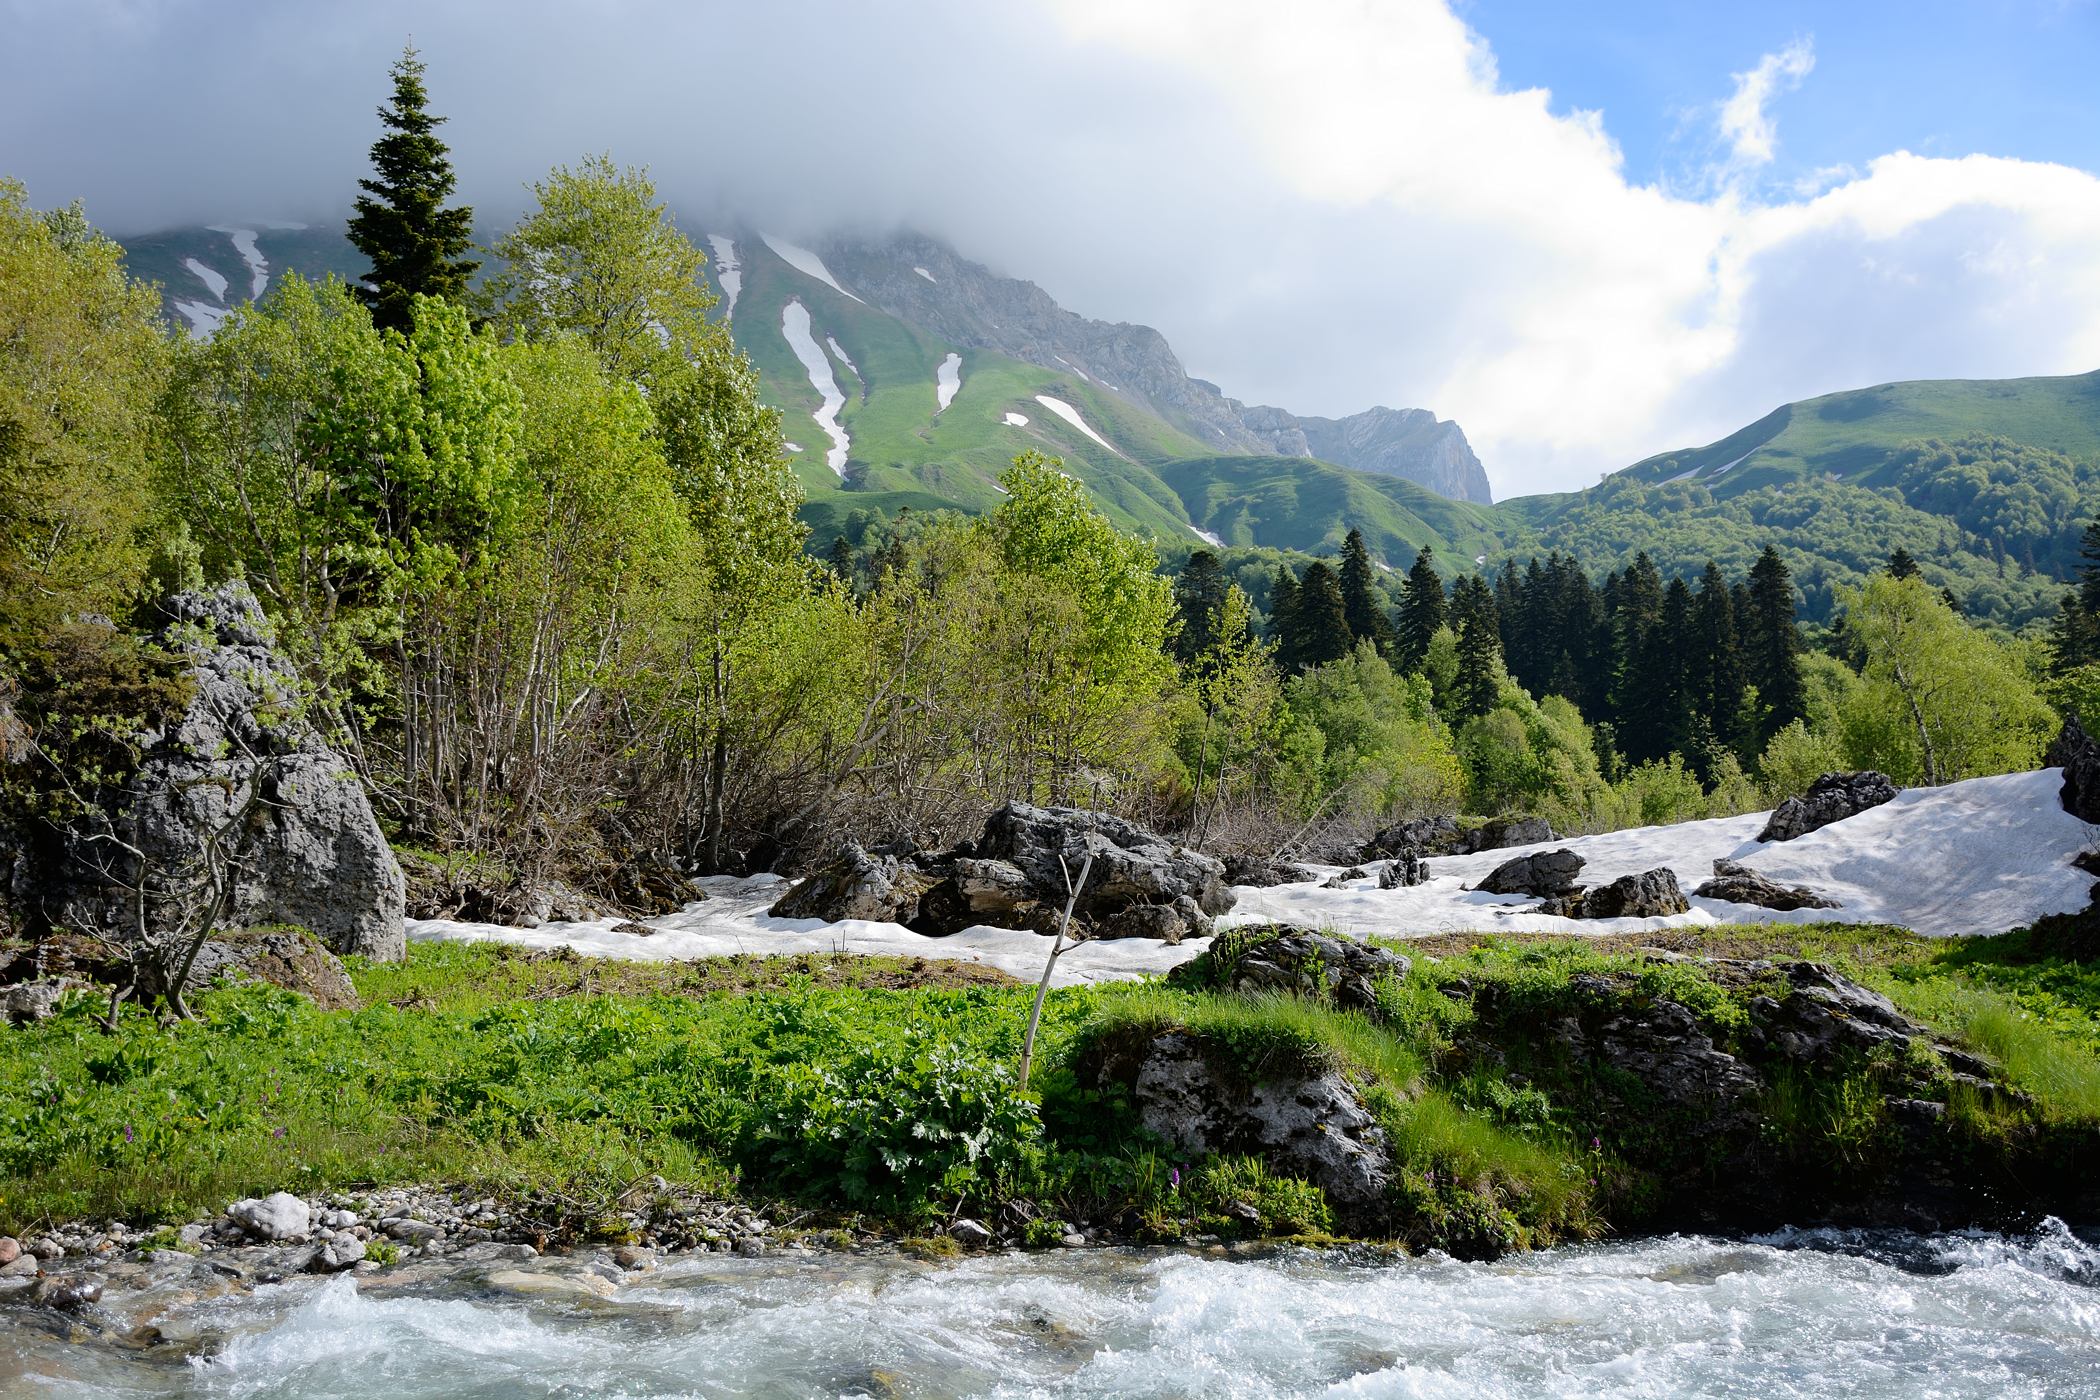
(1505, 832)
(1830, 798)
(1739, 884)
(2075, 752)
(1294, 962)
(278, 1216)
(1544, 873)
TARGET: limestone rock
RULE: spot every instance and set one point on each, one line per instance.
(557, 1288)
(1505, 832)
(1431, 836)
(1297, 962)
(288, 958)
(856, 885)
(1831, 798)
(1263, 872)
(1648, 895)
(1407, 868)
(1739, 884)
(25, 1002)
(2075, 752)
(279, 1216)
(1544, 873)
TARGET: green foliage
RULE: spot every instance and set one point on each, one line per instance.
(82, 359)
(1360, 741)
(416, 246)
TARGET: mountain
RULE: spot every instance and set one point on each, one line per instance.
(1988, 483)
(206, 272)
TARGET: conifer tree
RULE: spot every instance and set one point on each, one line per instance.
(1283, 618)
(1421, 611)
(415, 244)
(1367, 620)
(1321, 632)
(1717, 664)
(1479, 646)
(1772, 645)
(2089, 569)
(1199, 593)
(2071, 636)
(1901, 565)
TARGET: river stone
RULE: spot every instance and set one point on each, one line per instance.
(412, 1232)
(10, 1249)
(560, 1288)
(1544, 873)
(339, 1250)
(278, 1216)
(1830, 798)
(2075, 752)
(1739, 884)
(67, 1294)
(969, 1234)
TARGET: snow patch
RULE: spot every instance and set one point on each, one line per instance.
(1683, 476)
(1072, 367)
(728, 271)
(927, 275)
(1981, 856)
(209, 276)
(1071, 415)
(1207, 537)
(258, 265)
(804, 261)
(794, 324)
(1016, 420)
(792, 446)
(204, 318)
(1726, 467)
(844, 358)
(947, 381)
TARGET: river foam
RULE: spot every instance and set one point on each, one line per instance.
(1800, 1314)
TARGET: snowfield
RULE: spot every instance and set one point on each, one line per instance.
(1976, 857)
(803, 260)
(258, 265)
(203, 316)
(209, 276)
(728, 271)
(1206, 536)
(794, 324)
(947, 382)
(1071, 415)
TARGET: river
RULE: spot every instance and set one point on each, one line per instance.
(1803, 1314)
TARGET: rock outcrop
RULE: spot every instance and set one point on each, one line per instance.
(1294, 961)
(1831, 798)
(311, 854)
(1505, 832)
(1739, 884)
(2074, 751)
(1407, 868)
(1263, 872)
(1423, 836)
(1648, 895)
(1140, 885)
(1542, 873)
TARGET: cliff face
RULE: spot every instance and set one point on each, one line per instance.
(927, 284)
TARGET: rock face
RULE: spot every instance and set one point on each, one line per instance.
(313, 855)
(2075, 752)
(1831, 798)
(1544, 873)
(1739, 884)
(1426, 836)
(1307, 1122)
(1504, 832)
(1296, 962)
(1140, 884)
(1410, 443)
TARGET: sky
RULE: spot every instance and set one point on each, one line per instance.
(1587, 232)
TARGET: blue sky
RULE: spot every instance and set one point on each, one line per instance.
(1936, 77)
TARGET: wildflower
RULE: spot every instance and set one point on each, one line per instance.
(1596, 1144)
(1174, 1179)
(278, 1134)
(127, 1132)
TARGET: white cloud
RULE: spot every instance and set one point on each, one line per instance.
(1746, 121)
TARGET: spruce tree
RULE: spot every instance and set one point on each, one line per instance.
(2089, 570)
(1199, 591)
(415, 244)
(1716, 675)
(1901, 565)
(1322, 631)
(1772, 645)
(1480, 667)
(1367, 620)
(1283, 618)
(1421, 611)
(2071, 636)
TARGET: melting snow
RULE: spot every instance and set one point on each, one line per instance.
(1072, 367)
(1071, 415)
(1976, 857)
(1016, 420)
(792, 446)
(210, 277)
(258, 265)
(1729, 466)
(1207, 537)
(794, 324)
(204, 318)
(844, 358)
(948, 381)
(1681, 476)
(728, 271)
(804, 261)
(927, 275)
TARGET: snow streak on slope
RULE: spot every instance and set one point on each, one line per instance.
(258, 265)
(204, 318)
(209, 276)
(794, 324)
(1071, 415)
(948, 381)
(1072, 367)
(844, 358)
(927, 275)
(1982, 856)
(1206, 536)
(804, 261)
(1016, 420)
(728, 271)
